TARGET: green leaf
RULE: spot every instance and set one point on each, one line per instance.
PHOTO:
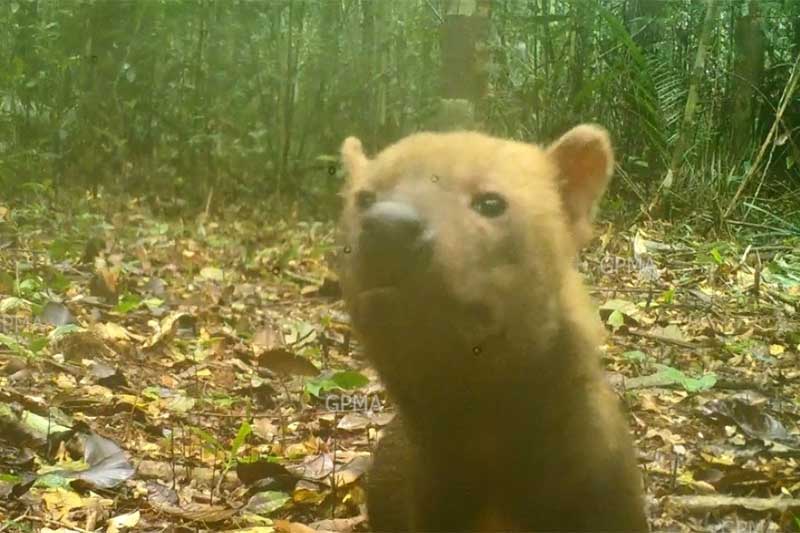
(266, 502)
(221, 400)
(616, 320)
(668, 296)
(9, 478)
(53, 480)
(704, 383)
(635, 355)
(37, 343)
(58, 334)
(241, 436)
(59, 249)
(690, 384)
(28, 287)
(13, 345)
(349, 379)
(151, 393)
(338, 381)
(315, 386)
(58, 282)
(127, 303)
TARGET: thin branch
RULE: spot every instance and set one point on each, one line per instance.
(791, 86)
(433, 8)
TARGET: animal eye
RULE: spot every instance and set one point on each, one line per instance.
(364, 199)
(489, 204)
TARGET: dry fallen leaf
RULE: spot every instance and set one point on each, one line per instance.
(118, 523)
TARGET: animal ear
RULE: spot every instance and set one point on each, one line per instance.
(353, 158)
(585, 162)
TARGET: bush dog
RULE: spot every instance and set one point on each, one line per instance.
(458, 272)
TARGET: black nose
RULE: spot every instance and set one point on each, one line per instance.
(392, 224)
(393, 239)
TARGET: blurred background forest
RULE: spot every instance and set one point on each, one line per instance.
(168, 99)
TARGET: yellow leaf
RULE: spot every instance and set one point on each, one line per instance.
(163, 328)
(212, 273)
(776, 349)
(111, 331)
(60, 502)
(98, 392)
(65, 381)
(296, 450)
(126, 520)
(725, 459)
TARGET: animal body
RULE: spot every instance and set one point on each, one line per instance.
(459, 276)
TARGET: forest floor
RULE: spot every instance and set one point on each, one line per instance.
(200, 374)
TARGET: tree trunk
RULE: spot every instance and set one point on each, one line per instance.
(796, 24)
(287, 98)
(368, 46)
(24, 50)
(379, 67)
(786, 97)
(465, 56)
(695, 78)
(748, 72)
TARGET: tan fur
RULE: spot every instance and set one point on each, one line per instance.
(490, 350)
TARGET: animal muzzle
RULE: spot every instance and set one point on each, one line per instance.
(395, 244)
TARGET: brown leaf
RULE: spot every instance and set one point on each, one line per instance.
(707, 503)
(282, 361)
(344, 525)
(266, 338)
(104, 284)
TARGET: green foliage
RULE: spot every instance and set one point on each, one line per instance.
(127, 303)
(16, 347)
(672, 375)
(717, 253)
(635, 356)
(184, 101)
(346, 380)
(245, 430)
(214, 446)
